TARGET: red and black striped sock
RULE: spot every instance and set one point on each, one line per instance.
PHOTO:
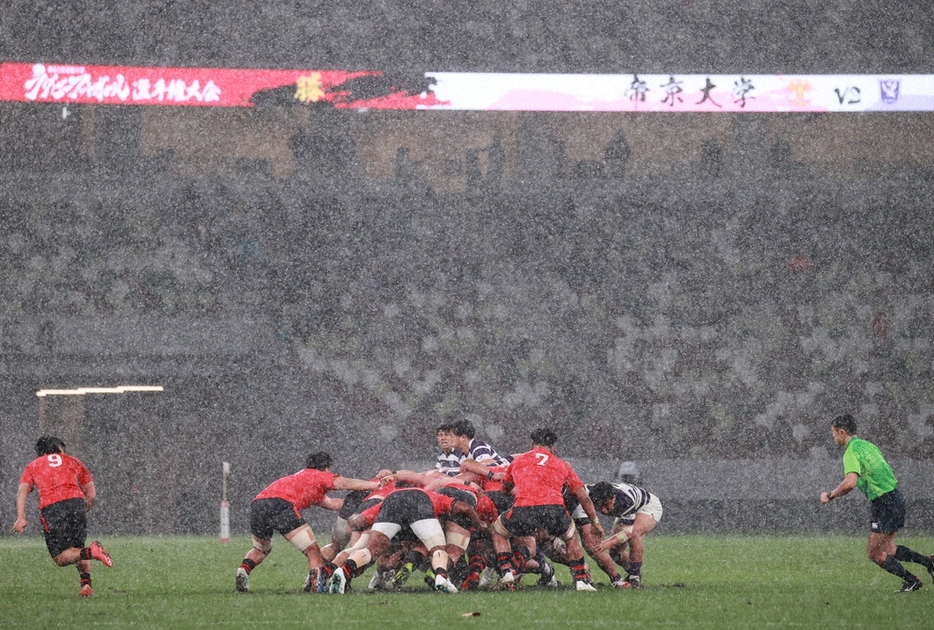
(504, 562)
(579, 570)
(477, 563)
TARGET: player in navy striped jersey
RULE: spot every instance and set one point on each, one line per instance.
(475, 449)
(590, 540)
(637, 512)
(449, 461)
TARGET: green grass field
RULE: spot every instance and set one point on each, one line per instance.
(690, 581)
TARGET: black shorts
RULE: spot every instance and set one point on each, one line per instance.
(405, 507)
(887, 513)
(501, 500)
(525, 521)
(273, 515)
(65, 524)
(351, 502)
(366, 505)
(464, 496)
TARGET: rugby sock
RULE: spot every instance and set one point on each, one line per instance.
(85, 578)
(579, 570)
(520, 556)
(504, 562)
(474, 569)
(85, 554)
(540, 557)
(904, 554)
(895, 567)
(350, 568)
(477, 564)
(247, 565)
(634, 568)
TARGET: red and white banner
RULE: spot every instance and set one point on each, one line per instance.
(214, 87)
(225, 87)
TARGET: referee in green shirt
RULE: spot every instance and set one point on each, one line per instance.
(865, 468)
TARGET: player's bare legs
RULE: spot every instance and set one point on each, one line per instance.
(81, 558)
(304, 538)
(341, 536)
(643, 524)
(883, 551)
(880, 547)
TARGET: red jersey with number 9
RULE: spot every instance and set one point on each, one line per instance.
(539, 476)
(57, 477)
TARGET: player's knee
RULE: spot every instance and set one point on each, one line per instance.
(262, 546)
(62, 561)
(569, 534)
(500, 529)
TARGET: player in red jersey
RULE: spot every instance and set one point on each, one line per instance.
(493, 502)
(415, 510)
(359, 521)
(66, 493)
(278, 508)
(537, 478)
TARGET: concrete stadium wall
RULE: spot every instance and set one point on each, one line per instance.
(765, 495)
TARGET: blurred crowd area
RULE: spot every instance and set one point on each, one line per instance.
(481, 35)
(642, 317)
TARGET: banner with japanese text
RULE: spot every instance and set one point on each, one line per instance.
(370, 89)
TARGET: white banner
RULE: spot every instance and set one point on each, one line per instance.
(683, 92)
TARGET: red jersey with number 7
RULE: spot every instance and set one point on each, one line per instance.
(539, 476)
(57, 477)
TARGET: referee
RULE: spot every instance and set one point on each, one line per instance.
(865, 468)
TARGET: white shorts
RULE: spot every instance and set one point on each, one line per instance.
(653, 508)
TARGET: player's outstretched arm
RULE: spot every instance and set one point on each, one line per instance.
(331, 503)
(349, 483)
(413, 478)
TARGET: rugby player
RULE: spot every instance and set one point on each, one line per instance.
(278, 508)
(66, 494)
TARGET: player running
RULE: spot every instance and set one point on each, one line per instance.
(66, 494)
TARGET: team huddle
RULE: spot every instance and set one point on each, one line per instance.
(476, 520)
